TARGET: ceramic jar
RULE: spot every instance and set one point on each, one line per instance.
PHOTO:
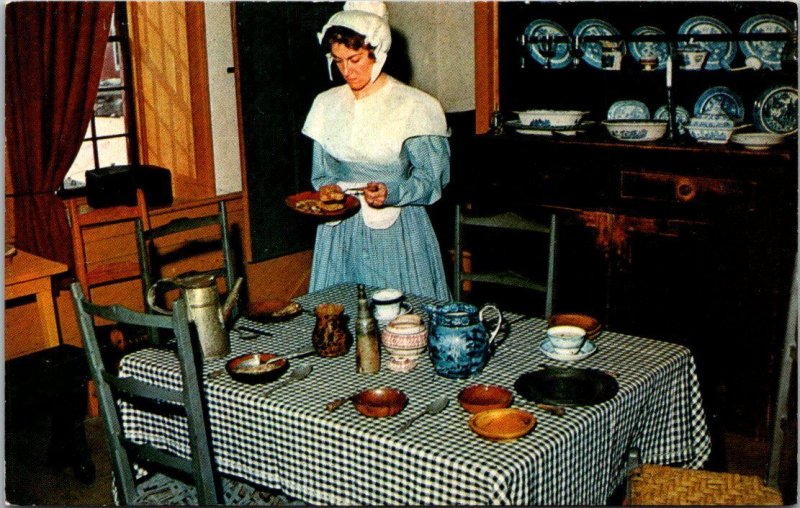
(405, 338)
(330, 336)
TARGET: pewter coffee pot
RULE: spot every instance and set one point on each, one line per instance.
(205, 311)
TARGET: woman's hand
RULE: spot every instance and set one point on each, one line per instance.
(375, 194)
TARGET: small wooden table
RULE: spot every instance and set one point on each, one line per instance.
(26, 275)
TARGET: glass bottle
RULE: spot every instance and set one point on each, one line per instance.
(368, 353)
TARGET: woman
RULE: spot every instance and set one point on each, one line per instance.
(378, 133)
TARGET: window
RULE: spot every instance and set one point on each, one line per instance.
(111, 136)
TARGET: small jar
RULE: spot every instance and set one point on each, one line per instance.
(330, 336)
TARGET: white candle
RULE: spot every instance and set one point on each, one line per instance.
(669, 72)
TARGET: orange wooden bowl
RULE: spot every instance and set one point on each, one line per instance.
(505, 424)
(380, 402)
(244, 368)
(477, 398)
(588, 323)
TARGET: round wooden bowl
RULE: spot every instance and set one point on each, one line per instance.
(380, 402)
(243, 368)
(477, 398)
(588, 323)
(504, 424)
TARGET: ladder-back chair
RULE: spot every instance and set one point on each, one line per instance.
(504, 221)
(163, 484)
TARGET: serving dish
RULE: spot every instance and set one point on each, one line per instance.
(719, 100)
(480, 397)
(649, 49)
(591, 325)
(593, 50)
(566, 386)
(720, 53)
(273, 310)
(527, 130)
(757, 140)
(628, 110)
(769, 52)
(714, 135)
(504, 424)
(539, 29)
(250, 368)
(775, 110)
(682, 116)
(380, 402)
(636, 131)
(550, 118)
(309, 203)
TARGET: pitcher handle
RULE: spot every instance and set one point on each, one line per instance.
(151, 295)
(499, 320)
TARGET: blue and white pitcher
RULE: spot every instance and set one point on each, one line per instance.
(458, 343)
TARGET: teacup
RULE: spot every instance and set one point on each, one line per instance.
(386, 303)
(566, 338)
(693, 59)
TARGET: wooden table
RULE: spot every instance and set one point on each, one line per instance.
(30, 275)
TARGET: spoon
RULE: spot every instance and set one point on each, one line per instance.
(296, 374)
(751, 62)
(434, 407)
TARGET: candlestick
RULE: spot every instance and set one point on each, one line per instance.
(669, 71)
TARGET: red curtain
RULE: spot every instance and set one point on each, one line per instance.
(54, 57)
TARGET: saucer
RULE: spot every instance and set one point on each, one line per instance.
(587, 349)
(405, 308)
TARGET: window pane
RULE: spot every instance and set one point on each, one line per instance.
(113, 151)
(85, 161)
(112, 66)
(109, 126)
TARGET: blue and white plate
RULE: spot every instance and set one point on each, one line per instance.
(776, 110)
(769, 52)
(681, 116)
(720, 100)
(649, 49)
(720, 53)
(549, 351)
(628, 110)
(593, 50)
(540, 28)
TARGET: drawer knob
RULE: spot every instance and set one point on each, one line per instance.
(685, 190)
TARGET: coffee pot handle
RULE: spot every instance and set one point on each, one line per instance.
(151, 295)
(499, 320)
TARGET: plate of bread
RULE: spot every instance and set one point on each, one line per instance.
(330, 204)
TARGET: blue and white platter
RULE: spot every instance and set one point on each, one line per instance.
(549, 351)
(769, 52)
(628, 110)
(649, 49)
(540, 28)
(527, 130)
(592, 50)
(681, 116)
(720, 100)
(776, 110)
(720, 53)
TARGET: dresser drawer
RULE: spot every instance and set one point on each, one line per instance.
(696, 191)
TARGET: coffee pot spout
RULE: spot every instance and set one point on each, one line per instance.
(233, 297)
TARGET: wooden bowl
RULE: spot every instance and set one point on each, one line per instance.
(243, 368)
(380, 402)
(588, 323)
(273, 310)
(504, 424)
(477, 398)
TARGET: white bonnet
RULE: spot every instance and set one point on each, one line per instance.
(370, 19)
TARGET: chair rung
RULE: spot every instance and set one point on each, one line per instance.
(136, 388)
(150, 453)
(505, 279)
(507, 220)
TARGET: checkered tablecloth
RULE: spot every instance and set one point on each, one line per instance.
(290, 442)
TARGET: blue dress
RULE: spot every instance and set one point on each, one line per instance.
(405, 255)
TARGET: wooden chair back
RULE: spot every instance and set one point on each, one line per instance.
(116, 263)
(111, 388)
